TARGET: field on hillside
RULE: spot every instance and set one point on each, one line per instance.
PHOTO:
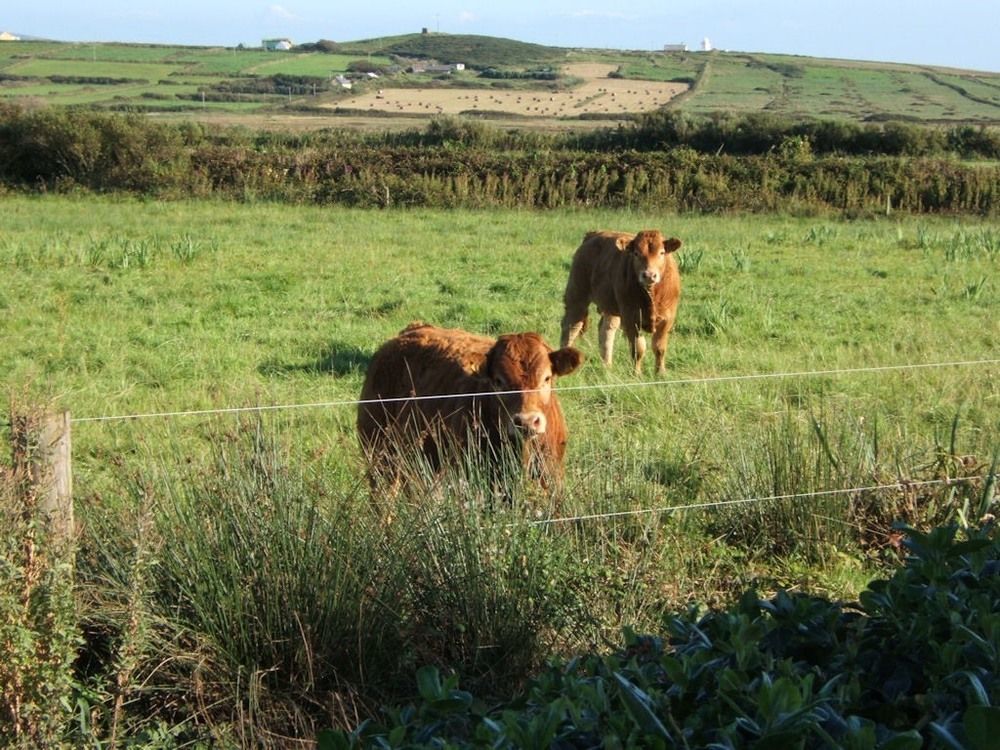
(590, 83)
(597, 94)
(809, 87)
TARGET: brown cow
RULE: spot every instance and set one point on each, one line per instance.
(514, 411)
(635, 283)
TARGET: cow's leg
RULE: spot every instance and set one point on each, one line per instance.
(637, 344)
(638, 352)
(573, 323)
(606, 335)
(660, 336)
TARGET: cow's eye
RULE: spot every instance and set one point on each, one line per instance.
(499, 384)
(548, 379)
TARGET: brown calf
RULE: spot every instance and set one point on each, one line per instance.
(634, 281)
(514, 410)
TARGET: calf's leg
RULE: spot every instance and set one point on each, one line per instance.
(573, 323)
(636, 343)
(606, 335)
(575, 308)
(660, 336)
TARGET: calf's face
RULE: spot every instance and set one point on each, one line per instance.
(523, 368)
(648, 255)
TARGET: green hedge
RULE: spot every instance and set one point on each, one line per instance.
(469, 164)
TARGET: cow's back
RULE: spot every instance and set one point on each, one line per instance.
(597, 269)
(421, 361)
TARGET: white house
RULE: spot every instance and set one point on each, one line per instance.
(273, 45)
(6, 36)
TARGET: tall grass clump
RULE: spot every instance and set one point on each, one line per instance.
(282, 582)
(233, 598)
(812, 487)
(487, 593)
(252, 599)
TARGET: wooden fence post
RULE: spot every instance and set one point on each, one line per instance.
(41, 449)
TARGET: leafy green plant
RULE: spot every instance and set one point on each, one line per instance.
(900, 671)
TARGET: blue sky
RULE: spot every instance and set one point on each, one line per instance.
(961, 33)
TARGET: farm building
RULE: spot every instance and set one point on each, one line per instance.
(276, 45)
(675, 48)
(430, 66)
(6, 36)
(343, 81)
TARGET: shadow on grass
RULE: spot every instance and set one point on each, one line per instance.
(340, 360)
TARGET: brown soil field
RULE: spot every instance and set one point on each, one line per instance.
(598, 94)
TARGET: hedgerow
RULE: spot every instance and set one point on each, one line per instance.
(460, 163)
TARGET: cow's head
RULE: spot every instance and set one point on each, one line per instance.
(648, 252)
(523, 368)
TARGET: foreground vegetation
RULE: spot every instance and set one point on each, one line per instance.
(234, 583)
(912, 665)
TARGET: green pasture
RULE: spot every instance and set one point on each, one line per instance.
(44, 67)
(118, 307)
(124, 53)
(56, 91)
(229, 61)
(730, 85)
(89, 94)
(663, 67)
(980, 87)
(13, 50)
(307, 64)
(808, 87)
(236, 553)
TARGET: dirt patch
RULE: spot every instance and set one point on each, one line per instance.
(598, 94)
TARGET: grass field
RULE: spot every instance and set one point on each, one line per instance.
(234, 579)
(124, 307)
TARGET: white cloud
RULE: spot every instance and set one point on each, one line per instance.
(467, 16)
(280, 11)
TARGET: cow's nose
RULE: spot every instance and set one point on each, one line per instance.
(650, 277)
(531, 422)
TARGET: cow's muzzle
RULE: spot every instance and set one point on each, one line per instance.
(530, 423)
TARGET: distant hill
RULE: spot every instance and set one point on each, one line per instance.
(239, 82)
(472, 50)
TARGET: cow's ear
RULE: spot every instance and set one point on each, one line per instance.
(672, 244)
(566, 360)
(623, 243)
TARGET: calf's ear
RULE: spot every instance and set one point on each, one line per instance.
(566, 360)
(672, 244)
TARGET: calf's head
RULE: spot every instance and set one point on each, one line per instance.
(647, 253)
(523, 368)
